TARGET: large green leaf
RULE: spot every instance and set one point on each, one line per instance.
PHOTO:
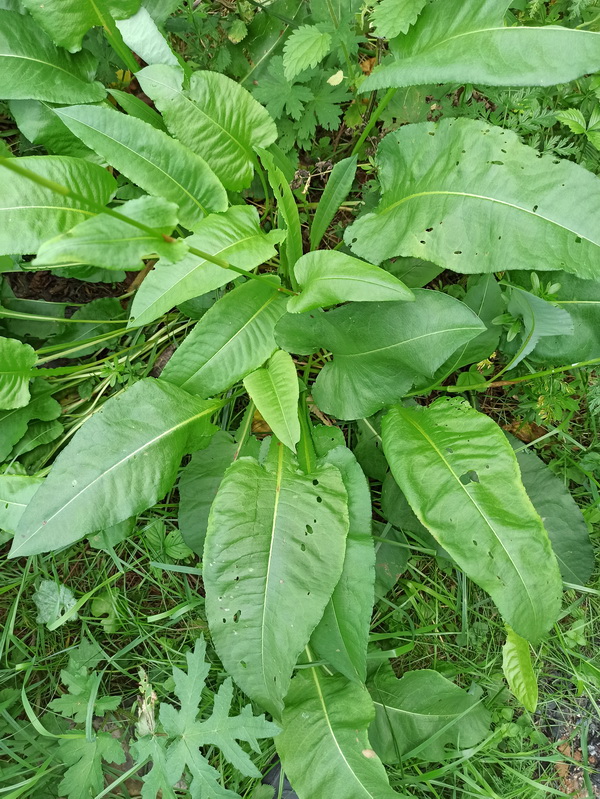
(32, 68)
(275, 391)
(67, 21)
(150, 158)
(335, 192)
(30, 213)
(39, 124)
(470, 197)
(16, 363)
(466, 42)
(379, 348)
(540, 319)
(479, 510)
(140, 32)
(425, 711)
(330, 716)
(120, 462)
(234, 236)
(216, 117)
(273, 554)
(16, 491)
(518, 670)
(329, 278)
(110, 243)
(342, 634)
(13, 424)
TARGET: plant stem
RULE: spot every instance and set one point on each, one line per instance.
(533, 376)
(383, 103)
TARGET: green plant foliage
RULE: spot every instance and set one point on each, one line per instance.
(13, 423)
(141, 33)
(52, 600)
(393, 17)
(275, 392)
(16, 491)
(94, 320)
(540, 319)
(337, 189)
(305, 48)
(16, 363)
(518, 670)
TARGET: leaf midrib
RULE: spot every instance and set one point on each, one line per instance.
(365, 353)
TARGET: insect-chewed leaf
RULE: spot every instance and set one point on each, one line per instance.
(458, 42)
(16, 362)
(33, 68)
(479, 511)
(518, 670)
(120, 453)
(216, 117)
(150, 158)
(275, 391)
(329, 278)
(30, 213)
(470, 197)
(273, 554)
(379, 348)
(331, 717)
(425, 711)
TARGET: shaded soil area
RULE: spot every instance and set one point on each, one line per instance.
(51, 288)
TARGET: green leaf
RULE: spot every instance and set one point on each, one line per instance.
(94, 319)
(336, 190)
(231, 340)
(390, 18)
(140, 32)
(329, 278)
(275, 543)
(573, 119)
(136, 107)
(540, 319)
(426, 712)
(13, 424)
(216, 117)
(110, 243)
(275, 392)
(280, 96)
(330, 716)
(453, 42)
(234, 236)
(67, 21)
(84, 777)
(379, 348)
(478, 489)
(38, 433)
(38, 123)
(16, 491)
(305, 48)
(470, 197)
(391, 556)
(30, 213)
(52, 600)
(121, 453)
(518, 670)
(150, 158)
(187, 734)
(342, 634)
(32, 68)
(561, 515)
(16, 363)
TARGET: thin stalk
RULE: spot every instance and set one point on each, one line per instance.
(383, 103)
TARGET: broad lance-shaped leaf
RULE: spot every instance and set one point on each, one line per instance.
(13, 423)
(16, 491)
(16, 362)
(30, 213)
(342, 634)
(150, 158)
(216, 117)
(39, 124)
(479, 511)
(379, 348)
(518, 670)
(141, 33)
(540, 319)
(470, 197)
(33, 68)
(67, 21)
(331, 717)
(467, 42)
(120, 462)
(113, 244)
(423, 711)
(275, 391)
(273, 554)
(234, 236)
(329, 278)
(335, 192)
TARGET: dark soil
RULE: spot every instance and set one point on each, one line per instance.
(51, 288)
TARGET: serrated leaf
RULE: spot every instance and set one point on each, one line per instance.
(82, 686)
(573, 119)
(518, 670)
(16, 364)
(540, 319)
(278, 94)
(379, 348)
(336, 190)
(451, 190)
(393, 17)
(235, 237)
(305, 48)
(16, 491)
(276, 540)
(13, 424)
(330, 278)
(458, 42)
(331, 717)
(423, 711)
(119, 453)
(111, 243)
(150, 158)
(141, 33)
(478, 489)
(84, 777)
(216, 117)
(33, 68)
(52, 600)
(275, 391)
(30, 213)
